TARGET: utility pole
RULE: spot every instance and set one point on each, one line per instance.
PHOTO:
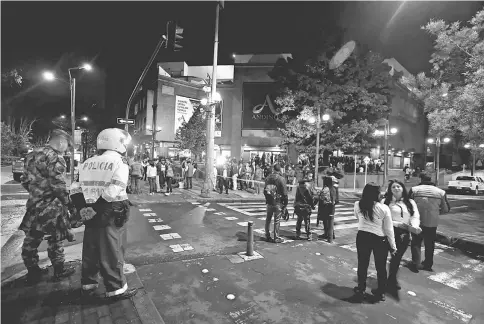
(73, 120)
(437, 160)
(153, 122)
(385, 152)
(207, 186)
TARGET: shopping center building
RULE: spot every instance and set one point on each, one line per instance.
(246, 121)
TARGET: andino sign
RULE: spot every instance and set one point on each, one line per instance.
(258, 107)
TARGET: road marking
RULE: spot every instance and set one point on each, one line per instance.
(463, 206)
(149, 214)
(449, 279)
(230, 218)
(210, 209)
(170, 236)
(260, 231)
(161, 227)
(451, 310)
(195, 203)
(145, 210)
(207, 204)
(243, 223)
(158, 220)
(181, 247)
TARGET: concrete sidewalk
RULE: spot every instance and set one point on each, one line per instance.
(60, 302)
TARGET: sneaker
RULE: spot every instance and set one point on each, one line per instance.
(268, 239)
(393, 284)
(278, 240)
(359, 291)
(62, 272)
(378, 294)
(413, 267)
(309, 238)
(131, 292)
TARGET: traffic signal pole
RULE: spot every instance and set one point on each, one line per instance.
(207, 186)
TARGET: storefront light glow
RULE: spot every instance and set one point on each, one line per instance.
(220, 160)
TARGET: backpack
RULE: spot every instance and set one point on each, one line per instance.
(270, 192)
(325, 197)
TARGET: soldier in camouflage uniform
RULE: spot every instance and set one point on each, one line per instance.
(46, 210)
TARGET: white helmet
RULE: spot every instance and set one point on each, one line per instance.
(113, 139)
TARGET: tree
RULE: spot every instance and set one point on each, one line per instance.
(191, 134)
(453, 91)
(15, 136)
(355, 95)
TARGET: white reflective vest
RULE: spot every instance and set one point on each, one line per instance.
(103, 176)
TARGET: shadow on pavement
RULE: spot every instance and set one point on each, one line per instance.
(346, 294)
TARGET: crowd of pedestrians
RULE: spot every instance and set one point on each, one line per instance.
(386, 223)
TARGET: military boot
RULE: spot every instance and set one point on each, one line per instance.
(62, 272)
(34, 275)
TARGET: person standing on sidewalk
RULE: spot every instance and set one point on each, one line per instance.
(189, 174)
(431, 202)
(291, 176)
(328, 198)
(275, 192)
(404, 213)
(102, 190)
(145, 167)
(46, 209)
(169, 174)
(137, 171)
(303, 204)
(258, 178)
(151, 175)
(160, 169)
(375, 233)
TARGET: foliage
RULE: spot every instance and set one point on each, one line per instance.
(453, 92)
(355, 95)
(12, 78)
(15, 136)
(191, 134)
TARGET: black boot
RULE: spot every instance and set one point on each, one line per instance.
(62, 272)
(34, 275)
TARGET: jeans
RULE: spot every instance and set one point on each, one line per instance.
(168, 184)
(135, 184)
(151, 181)
(276, 211)
(189, 183)
(162, 180)
(366, 243)
(223, 183)
(307, 224)
(428, 235)
(402, 238)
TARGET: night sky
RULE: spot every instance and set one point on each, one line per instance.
(119, 37)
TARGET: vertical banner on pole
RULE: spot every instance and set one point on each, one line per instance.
(366, 160)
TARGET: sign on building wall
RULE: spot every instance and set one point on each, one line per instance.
(184, 108)
(258, 109)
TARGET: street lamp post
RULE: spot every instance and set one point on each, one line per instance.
(437, 155)
(206, 189)
(318, 134)
(387, 131)
(153, 137)
(49, 76)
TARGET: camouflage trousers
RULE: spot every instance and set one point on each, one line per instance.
(30, 255)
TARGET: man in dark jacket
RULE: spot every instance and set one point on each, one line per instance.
(431, 202)
(275, 192)
(303, 204)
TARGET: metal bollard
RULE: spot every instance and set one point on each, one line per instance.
(330, 229)
(250, 239)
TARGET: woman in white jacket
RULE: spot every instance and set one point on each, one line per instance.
(405, 217)
(375, 234)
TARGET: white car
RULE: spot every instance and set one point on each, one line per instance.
(467, 184)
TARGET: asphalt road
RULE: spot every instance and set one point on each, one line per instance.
(294, 282)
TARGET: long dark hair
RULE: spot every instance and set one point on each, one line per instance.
(327, 182)
(405, 198)
(371, 195)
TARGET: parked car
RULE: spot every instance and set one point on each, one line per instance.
(467, 184)
(18, 169)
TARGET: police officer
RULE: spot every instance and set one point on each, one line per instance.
(46, 209)
(275, 192)
(102, 181)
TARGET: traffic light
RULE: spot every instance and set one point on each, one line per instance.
(174, 36)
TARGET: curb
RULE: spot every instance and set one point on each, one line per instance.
(459, 243)
(145, 307)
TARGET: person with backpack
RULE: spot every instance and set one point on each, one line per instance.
(275, 192)
(303, 204)
(328, 198)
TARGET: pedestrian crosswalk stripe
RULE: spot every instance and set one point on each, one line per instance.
(170, 236)
(181, 247)
(149, 214)
(153, 220)
(145, 210)
(161, 227)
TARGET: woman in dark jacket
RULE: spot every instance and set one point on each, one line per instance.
(328, 198)
(303, 204)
